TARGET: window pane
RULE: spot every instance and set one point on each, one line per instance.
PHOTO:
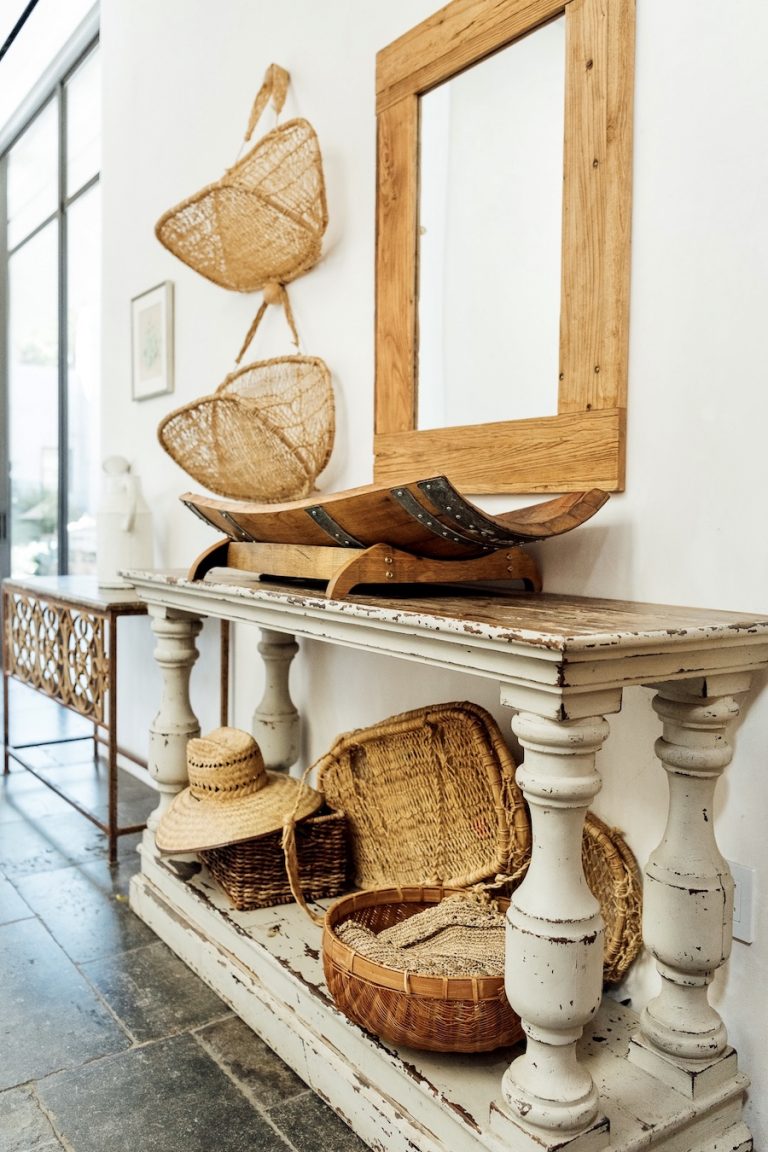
(84, 123)
(83, 377)
(32, 176)
(33, 404)
(45, 33)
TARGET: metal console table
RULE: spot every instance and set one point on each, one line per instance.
(593, 1075)
(60, 638)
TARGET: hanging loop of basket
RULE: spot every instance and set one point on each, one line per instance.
(274, 293)
(265, 434)
(264, 219)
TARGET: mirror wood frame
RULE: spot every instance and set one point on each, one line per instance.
(583, 446)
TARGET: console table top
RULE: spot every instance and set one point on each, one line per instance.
(542, 620)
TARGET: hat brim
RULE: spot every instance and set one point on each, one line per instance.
(194, 824)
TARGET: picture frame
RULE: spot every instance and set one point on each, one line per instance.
(152, 342)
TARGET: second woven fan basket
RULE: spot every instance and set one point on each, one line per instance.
(265, 434)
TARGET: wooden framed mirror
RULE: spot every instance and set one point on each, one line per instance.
(580, 442)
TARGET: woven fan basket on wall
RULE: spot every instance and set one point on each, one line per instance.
(264, 220)
(265, 434)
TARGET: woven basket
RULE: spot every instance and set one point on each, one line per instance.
(430, 797)
(614, 879)
(467, 1014)
(436, 1013)
(264, 220)
(265, 434)
(253, 873)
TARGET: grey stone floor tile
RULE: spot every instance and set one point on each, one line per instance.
(24, 1127)
(311, 1125)
(254, 1067)
(85, 908)
(168, 1096)
(12, 907)
(50, 1017)
(24, 798)
(153, 993)
(50, 842)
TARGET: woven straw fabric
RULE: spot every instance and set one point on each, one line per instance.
(430, 797)
(262, 221)
(457, 937)
(613, 877)
(264, 435)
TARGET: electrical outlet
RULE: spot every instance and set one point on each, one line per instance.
(743, 902)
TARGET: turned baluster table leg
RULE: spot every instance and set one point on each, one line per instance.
(554, 938)
(175, 723)
(275, 723)
(688, 900)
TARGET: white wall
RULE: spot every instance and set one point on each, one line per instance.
(179, 80)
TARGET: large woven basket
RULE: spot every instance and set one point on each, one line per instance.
(430, 797)
(466, 1014)
(436, 1013)
(265, 434)
(253, 873)
(264, 219)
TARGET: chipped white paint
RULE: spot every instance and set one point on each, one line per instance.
(175, 722)
(275, 722)
(555, 936)
(266, 965)
(688, 914)
(564, 662)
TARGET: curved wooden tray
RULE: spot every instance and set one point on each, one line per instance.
(425, 517)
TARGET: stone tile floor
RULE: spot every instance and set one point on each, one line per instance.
(108, 1043)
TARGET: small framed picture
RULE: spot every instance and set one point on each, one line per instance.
(152, 341)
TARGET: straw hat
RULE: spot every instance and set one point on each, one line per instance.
(231, 796)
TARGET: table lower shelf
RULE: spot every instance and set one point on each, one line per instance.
(266, 965)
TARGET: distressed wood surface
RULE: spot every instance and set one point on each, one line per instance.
(556, 934)
(562, 662)
(563, 623)
(275, 722)
(266, 965)
(175, 723)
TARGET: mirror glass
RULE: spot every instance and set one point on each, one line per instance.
(490, 234)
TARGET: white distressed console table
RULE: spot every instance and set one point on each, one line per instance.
(591, 1075)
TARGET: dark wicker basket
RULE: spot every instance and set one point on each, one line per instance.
(253, 873)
